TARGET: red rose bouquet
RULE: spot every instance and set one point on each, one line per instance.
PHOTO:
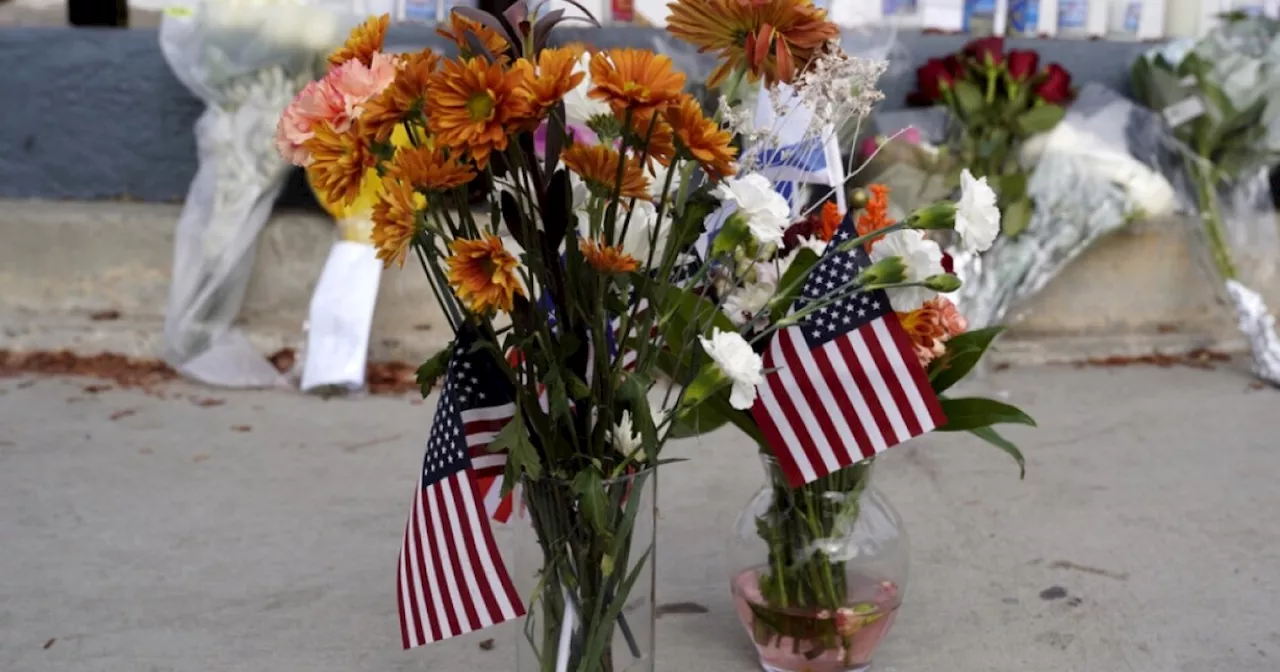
(998, 99)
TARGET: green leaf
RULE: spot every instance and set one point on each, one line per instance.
(593, 502)
(793, 281)
(1039, 119)
(973, 412)
(434, 369)
(578, 388)
(1013, 186)
(992, 437)
(1016, 217)
(968, 98)
(962, 354)
(522, 457)
(734, 234)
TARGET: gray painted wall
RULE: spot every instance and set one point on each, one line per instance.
(91, 114)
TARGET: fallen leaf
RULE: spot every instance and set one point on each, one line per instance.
(209, 402)
(145, 451)
(241, 428)
(49, 644)
(105, 315)
(486, 645)
(283, 359)
(679, 608)
(95, 389)
(123, 414)
(200, 457)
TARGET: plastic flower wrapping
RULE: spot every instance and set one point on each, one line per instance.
(642, 257)
(246, 60)
(1220, 99)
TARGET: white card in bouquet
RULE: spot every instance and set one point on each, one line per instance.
(945, 15)
(792, 129)
(341, 316)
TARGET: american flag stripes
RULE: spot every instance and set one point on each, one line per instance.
(843, 384)
(452, 579)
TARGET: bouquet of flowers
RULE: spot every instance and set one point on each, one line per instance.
(1221, 99)
(997, 101)
(246, 60)
(646, 250)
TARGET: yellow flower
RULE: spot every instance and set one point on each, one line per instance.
(471, 105)
(597, 165)
(365, 40)
(395, 221)
(460, 26)
(770, 38)
(339, 162)
(606, 258)
(483, 274)
(429, 169)
(403, 99)
(634, 79)
(554, 77)
(702, 138)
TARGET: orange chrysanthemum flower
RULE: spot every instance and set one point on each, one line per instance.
(460, 26)
(661, 138)
(634, 79)
(483, 274)
(876, 215)
(829, 221)
(365, 40)
(429, 169)
(702, 138)
(471, 105)
(773, 39)
(597, 165)
(338, 163)
(930, 326)
(401, 100)
(606, 258)
(547, 84)
(395, 221)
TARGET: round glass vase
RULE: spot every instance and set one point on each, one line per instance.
(818, 572)
(585, 567)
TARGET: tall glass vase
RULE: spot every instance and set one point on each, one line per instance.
(587, 565)
(818, 572)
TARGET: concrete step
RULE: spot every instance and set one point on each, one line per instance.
(94, 276)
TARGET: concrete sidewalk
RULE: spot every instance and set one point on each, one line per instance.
(260, 534)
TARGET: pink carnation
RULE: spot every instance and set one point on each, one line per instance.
(358, 83)
(317, 102)
(337, 100)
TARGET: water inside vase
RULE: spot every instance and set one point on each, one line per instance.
(809, 640)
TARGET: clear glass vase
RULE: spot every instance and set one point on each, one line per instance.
(818, 572)
(585, 567)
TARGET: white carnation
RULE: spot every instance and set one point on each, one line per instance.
(922, 258)
(767, 213)
(734, 356)
(977, 217)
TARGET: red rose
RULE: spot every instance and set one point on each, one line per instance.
(930, 80)
(986, 51)
(948, 264)
(1023, 65)
(1056, 86)
(954, 65)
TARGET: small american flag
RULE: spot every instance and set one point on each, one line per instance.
(844, 384)
(452, 579)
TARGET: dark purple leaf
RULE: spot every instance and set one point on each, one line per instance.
(590, 17)
(542, 29)
(559, 204)
(555, 137)
(514, 219)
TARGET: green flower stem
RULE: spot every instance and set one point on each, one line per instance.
(1211, 218)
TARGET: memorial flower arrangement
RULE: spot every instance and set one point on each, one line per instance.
(619, 289)
(997, 100)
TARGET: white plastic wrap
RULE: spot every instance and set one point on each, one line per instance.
(340, 318)
(246, 60)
